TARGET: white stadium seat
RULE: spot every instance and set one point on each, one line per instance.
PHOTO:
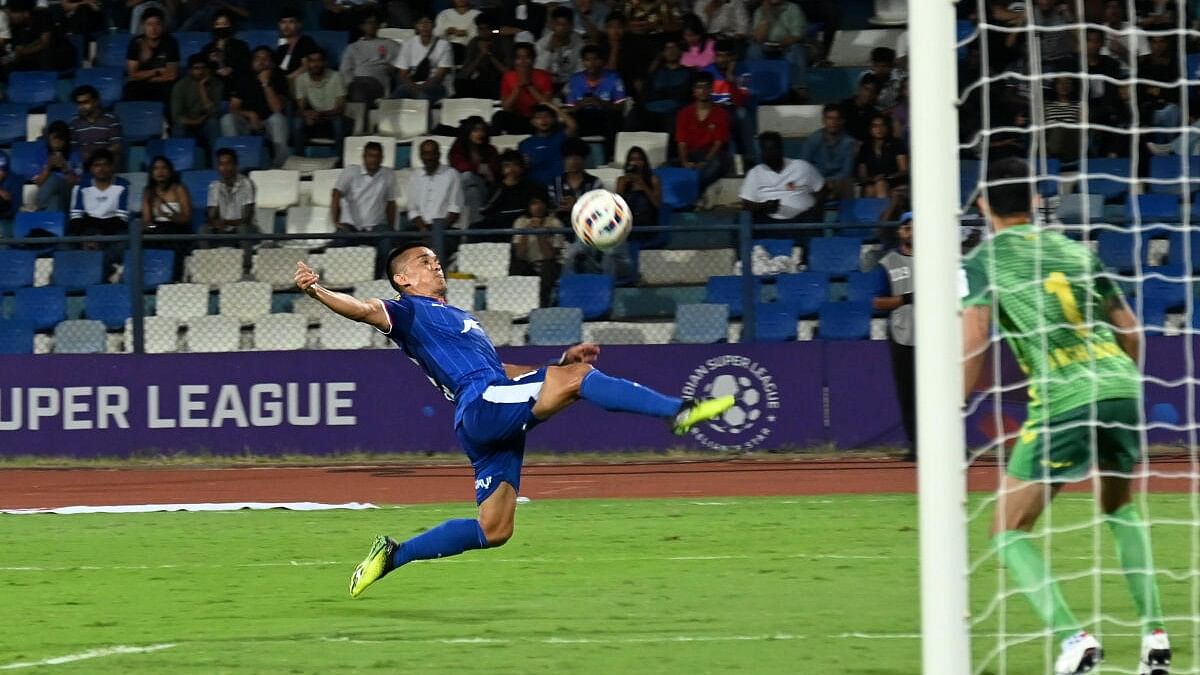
(214, 333)
(508, 141)
(669, 266)
(245, 301)
(353, 149)
(276, 189)
(608, 176)
(337, 332)
(322, 186)
(281, 332)
(460, 293)
(376, 288)
(160, 335)
(307, 165)
(455, 110)
(793, 121)
(344, 266)
(277, 266)
(518, 295)
(181, 301)
(402, 118)
(500, 328)
(311, 310)
(308, 220)
(485, 260)
(215, 266)
(397, 34)
(853, 47)
(35, 124)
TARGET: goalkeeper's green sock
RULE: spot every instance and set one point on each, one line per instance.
(1133, 548)
(1027, 568)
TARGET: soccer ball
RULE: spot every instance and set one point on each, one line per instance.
(601, 219)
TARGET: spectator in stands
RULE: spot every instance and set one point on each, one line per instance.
(627, 55)
(537, 254)
(456, 25)
(543, 150)
(668, 89)
(321, 100)
(699, 50)
(1122, 42)
(833, 153)
(196, 103)
(702, 134)
(364, 197)
(590, 19)
(1013, 143)
(882, 161)
(510, 198)
(521, 88)
(1058, 48)
(231, 201)
(84, 17)
(580, 258)
(597, 98)
(574, 180)
(166, 208)
(888, 77)
(33, 42)
(1062, 108)
(642, 192)
(259, 105)
(828, 13)
(781, 189)
(295, 46)
(858, 110)
(559, 52)
(201, 13)
(652, 17)
(92, 128)
(727, 18)
(899, 114)
(348, 15)
(485, 63)
(1160, 106)
(10, 189)
(897, 265)
(422, 64)
(478, 164)
(60, 169)
(404, 13)
(152, 61)
(1104, 101)
(435, 194)
(778, 33)
(139, 7)
(100, 205)
(229, 56)
(522, 20)
(730, 92)
(366, 66)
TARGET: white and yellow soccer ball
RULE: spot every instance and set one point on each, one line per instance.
(601, 219)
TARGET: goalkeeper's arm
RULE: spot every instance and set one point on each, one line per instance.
(1125, 325)
(977, 321)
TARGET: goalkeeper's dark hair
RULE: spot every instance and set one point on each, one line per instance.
(1009, 188)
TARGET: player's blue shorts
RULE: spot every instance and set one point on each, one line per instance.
(492, 431)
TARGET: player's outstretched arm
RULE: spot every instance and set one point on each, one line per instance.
(977, 321)
(367, 311)
(584, 352)
(1125, 326)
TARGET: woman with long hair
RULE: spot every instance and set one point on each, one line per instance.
(882, 160)
(478, 164)
(167, 207)
(642, 192)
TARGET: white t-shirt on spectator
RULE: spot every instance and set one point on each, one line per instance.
(795, 187)
(450, 18)
(412, 51)
(432, 197)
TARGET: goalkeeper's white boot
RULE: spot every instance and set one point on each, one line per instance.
(1081, 653)
(1156, 654)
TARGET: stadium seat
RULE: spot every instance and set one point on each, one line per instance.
(1116, 250)
(307, 220)
(323, 181)
(245, 301)
(844, 321)
(76, 270)
(111, 49)
(776, 247)
(42, 306)
(774, 322)
(485, 260)
(160, 335)
(1169, 295)
(353, 149)
(403, 118)
(108, 303)
(680, 187)
(137, 186)
(1049, 186)
(158, 267)
(1152, 207)
(591, 293)
(277, 266)
(181, 301)
(215, 266)
(552, 326)
(345, 266)
(12, 122)
(16, 336)
(39, 223)
(213, 333)
(310, 309)
(1184, 253)
(865, 286)
(60, 112)
(803, 292)
(686, 266)
(281, 332)
(397, 34)
(80, 336)
(110, 82)
(276, 189)
(653, 142)
(770, 79)
(260, 38)
(340, 333)
(1080, 208)
(140, 120)
(727, 290)
(1167, 173)
(968, 180)
(190, 42)
(515, 295)
(701, 323)
(180, 151)
(375, 288)
(333, 42)
(35, 126)
(455, 110)
(249, 149)
(1107, 187)
(796, 121)
(831, 85)
(1152, 319)
(16, 269)
(836, 256)
(862, 211)
(33, 88)
(460, 293)
(25, 158)
(500, 328)
(197, 181)
(853, 47)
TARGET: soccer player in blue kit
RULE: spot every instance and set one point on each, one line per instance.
(496, 403)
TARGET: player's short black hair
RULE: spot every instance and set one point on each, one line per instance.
(1009, 198)
(85, 90)
(227, 152)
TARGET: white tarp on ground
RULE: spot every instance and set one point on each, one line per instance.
(229, 506)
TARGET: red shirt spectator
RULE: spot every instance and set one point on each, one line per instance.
(701, 134)
(523, 106)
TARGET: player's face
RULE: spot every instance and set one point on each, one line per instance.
(421, 274)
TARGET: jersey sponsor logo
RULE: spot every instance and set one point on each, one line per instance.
(1051, 464)
(483, 483)
(469, 325)
(751, 420)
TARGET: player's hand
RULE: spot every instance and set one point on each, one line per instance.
(306, 278)
(584, 352)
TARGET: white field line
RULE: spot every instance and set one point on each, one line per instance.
(639, 639)
(89, 654)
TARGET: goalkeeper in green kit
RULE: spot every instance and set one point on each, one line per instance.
(1077, 342)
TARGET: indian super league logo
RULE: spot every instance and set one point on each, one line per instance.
(749, 422)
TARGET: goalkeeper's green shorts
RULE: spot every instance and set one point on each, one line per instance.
(1061, 450)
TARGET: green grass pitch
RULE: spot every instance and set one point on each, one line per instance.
(706, 585)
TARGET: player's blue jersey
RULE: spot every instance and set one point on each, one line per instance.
(448, 344)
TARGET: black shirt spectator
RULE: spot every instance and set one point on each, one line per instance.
(296, 46)
(230, 57)
(152, 61)
(33, 43)
(858, 110)
(250, 92)
(510, 198)
(524, 15)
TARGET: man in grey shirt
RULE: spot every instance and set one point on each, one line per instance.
(364, 197)
(897, 263)
(366, 66)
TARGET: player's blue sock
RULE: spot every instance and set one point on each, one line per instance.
(613, 393)
(450, 538)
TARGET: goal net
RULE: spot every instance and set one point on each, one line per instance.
(1100, 99)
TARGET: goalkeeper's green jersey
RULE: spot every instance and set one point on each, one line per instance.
(1047, 295)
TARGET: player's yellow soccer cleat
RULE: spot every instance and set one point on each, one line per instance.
(694, 412)
(373, 567)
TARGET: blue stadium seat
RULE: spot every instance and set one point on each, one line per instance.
(27, 222)
(701, 323)
(776, 247)
(24, 158)
(181, 152)
(1171, 168)
(680, 187)
(1116, 250)
(42, 306)
(64, 112)
(80, 336)
(1152, 319)
(862, 211)
(158, 267)
(1074, 207)
(196, 181)
(555, 326)
(770, 79)
(249, 151)
(844, 321)
(12, 122)
(968, 179)
(836, 256)
(33, 88)
(1108, 187)
(16, 269)
(16, 336)
(111, 49)
(190, 42)
(110, 82)
(76, 270)
(728, 291)
(140, 120)
(1048, 187)
(1154, 207)
(831, 85)
(774, 322)
(1184, 253)
(591, 293)
(804, 292)
(865, 286)
(333, 42)
(1170, 295)
(109, 303)
(259, 38)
